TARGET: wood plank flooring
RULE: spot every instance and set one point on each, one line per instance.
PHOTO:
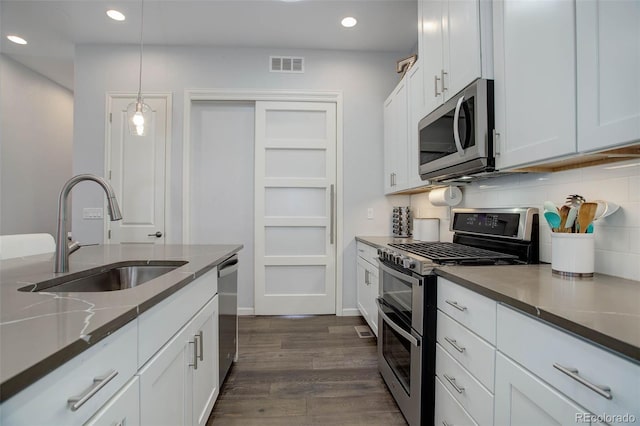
(311, 370)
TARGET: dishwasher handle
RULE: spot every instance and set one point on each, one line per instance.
(228, 267)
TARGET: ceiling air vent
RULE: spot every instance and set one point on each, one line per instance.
(286, 64)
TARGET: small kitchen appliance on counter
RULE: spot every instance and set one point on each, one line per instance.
(407, 302)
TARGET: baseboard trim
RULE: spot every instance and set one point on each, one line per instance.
(246, 311)
(351, 312)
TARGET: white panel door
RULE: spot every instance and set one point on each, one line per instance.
(295, 198)
(136, 166)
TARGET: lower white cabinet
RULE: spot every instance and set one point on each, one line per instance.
(121, 410)
(179, 384)
(523, 399)
(75, 391)
(448, 411)
(367, 285)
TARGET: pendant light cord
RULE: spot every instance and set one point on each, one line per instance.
(140, 73)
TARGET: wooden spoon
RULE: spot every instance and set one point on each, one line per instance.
(564, 212)
(586, 213)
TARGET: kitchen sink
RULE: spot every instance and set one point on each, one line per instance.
(114, 277)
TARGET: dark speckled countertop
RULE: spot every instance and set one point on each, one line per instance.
(602, 309)
(41, 331)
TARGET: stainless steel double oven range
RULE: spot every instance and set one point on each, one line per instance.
(407, 302)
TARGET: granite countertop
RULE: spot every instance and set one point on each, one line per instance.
(41, 331)
(603, 309)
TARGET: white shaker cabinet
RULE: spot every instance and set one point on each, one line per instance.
(608, 73)
(395, 138)
(179, 384)
(534, 67)
(121, 410)
(416, 111)
(523, 399)
(367, 284)
(455, 46)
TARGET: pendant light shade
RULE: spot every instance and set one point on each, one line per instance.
(139, 114)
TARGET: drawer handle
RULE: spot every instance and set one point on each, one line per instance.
(456, 305)
(603, 391)
(453, 343)
(75, 402)
(452, 381)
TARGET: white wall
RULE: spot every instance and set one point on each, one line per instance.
(36, 133)
(617, 236)
(364, 78)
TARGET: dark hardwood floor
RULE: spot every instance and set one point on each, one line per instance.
(312, 370)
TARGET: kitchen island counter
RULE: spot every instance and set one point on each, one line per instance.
(40, 331)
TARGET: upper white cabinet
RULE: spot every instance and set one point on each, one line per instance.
(395, 138)
(455, 45)
(535, 95)
(608, 64)
(403, 109)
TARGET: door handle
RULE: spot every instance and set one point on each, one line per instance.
(157, 234)
(75, 402)
(332, 219)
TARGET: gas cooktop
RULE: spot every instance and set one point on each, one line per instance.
(482, 236)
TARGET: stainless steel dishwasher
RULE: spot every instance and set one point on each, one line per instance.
(228, 317)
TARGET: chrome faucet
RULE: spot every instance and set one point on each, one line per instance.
(62, 248)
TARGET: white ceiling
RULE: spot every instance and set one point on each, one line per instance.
(53, 27)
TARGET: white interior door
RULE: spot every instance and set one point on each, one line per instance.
(136, 168)
(295, 198)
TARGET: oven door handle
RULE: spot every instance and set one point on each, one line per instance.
(395, 327)
(399, 275)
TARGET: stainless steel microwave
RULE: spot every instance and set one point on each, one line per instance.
(456, 139)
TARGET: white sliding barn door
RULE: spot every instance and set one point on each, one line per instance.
(136, 170)
(295, 198)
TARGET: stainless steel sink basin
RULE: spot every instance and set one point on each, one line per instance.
(117, 276)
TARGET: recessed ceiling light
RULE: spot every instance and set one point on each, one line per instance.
(349, 22)
(16, 39)
(115, 15)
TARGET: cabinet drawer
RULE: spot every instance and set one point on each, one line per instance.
(160, 323)
(46, 401)
(470, 309)
(469, 392)
(472, 352)
(448, 410)
(123, 409)
(544, 350)
(368, 253)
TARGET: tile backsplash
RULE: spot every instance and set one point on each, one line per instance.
(617, 236)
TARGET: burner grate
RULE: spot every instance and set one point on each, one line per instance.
(444, 252)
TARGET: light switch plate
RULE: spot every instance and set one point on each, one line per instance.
(92, 213)
(370, 213)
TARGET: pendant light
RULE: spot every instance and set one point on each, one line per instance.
(139, 114)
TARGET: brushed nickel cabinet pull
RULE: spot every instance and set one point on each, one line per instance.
(201, 341)
(456, 305)
(603, 391)
(442, 73)
(452, 381)
(99, 382)
(194, 364)
(435, 83)
(453, 343)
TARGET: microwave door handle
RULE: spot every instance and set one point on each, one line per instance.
(456, 133)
